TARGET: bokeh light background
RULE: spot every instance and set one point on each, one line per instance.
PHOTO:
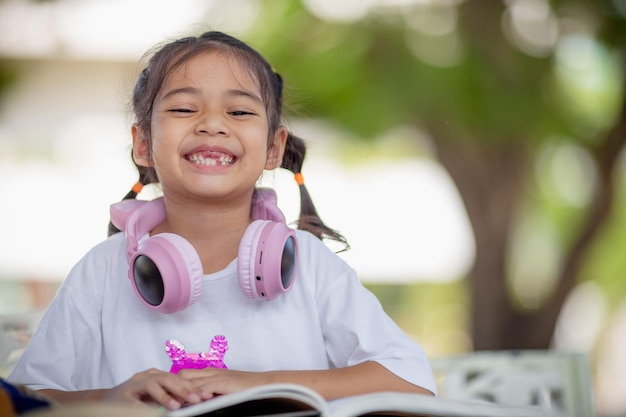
(64, 158)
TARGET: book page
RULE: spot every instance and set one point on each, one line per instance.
(274, 399)
(417, 405)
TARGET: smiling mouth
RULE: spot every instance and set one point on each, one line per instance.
(211, 158)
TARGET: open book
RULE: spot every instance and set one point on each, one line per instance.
(289, 400)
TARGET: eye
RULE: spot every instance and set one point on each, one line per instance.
(241, 113)
(180, 110)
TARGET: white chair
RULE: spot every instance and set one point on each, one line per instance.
(558, 382)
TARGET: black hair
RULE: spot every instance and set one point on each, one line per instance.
(170, 56)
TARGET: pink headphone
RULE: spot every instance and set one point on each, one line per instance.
(166, 272)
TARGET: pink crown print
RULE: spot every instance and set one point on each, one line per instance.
(214, 358)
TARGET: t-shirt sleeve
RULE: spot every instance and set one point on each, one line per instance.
(65, 350)
(52, 358)
(357, 329)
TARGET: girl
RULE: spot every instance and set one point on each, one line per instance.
(208, 122)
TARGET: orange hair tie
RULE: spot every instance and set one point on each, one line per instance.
(137, 187)
(299, 179)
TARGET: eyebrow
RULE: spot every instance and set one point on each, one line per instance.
(244, 93)
(230, 93)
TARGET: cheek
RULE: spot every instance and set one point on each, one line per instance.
(161, 153)
(164, 136)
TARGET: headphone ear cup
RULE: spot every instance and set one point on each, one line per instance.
(246, 258)
(166, 273)
(267, 260)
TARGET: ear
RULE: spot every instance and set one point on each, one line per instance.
(141, 149)
(277, 149)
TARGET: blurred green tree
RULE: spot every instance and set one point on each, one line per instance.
(493, 83)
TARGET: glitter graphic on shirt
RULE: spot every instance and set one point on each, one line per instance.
(214, 358)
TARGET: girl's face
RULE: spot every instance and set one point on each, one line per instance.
(209, 131)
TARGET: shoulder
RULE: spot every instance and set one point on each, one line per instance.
(311, 243)
(311, 247)
(320, 264)
(107, 251)
(105, 259)
(98, 276)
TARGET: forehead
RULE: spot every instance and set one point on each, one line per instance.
(213, 67)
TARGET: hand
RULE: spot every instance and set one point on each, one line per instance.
(214, 381)
(154, 386)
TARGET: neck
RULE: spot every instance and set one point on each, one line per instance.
(214, 230)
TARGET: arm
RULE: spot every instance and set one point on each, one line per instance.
(192, 386)
(331, 384)
(352, 380)
(151, 386)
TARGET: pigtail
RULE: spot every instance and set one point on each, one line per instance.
(309, 220)
(147, 175)
(176, 53)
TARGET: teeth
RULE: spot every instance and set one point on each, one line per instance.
(201, 160)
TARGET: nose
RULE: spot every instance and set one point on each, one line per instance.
(212, 124)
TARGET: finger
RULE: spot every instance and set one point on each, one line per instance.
(177, 386)
(172, 392)
(206, 386)
(154, 392)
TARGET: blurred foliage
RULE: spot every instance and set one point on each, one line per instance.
(526, 126)
(433, 314)
(364, 77)
(607, 266)
(8, 75)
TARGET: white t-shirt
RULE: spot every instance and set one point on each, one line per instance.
(97, 334)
